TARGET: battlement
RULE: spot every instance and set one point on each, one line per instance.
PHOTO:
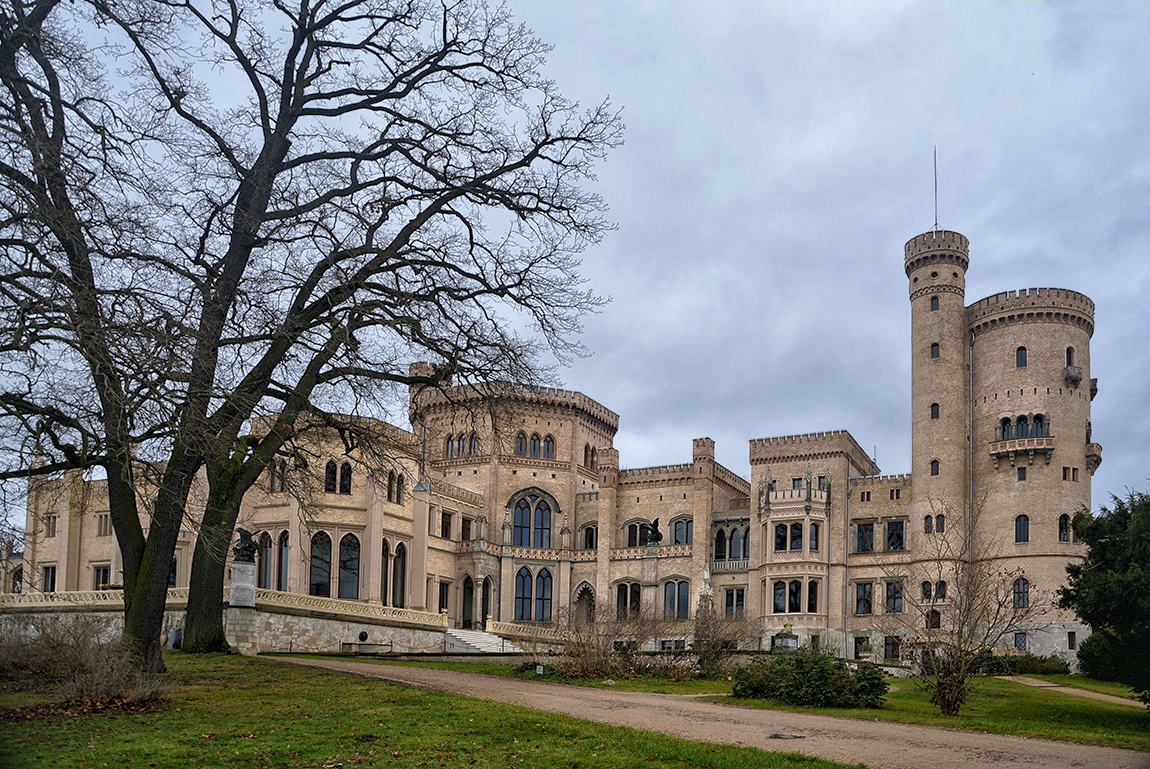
(648, 472)
(1042, 305)
(811, 445)
(881, 480)
(506, 391)
(937, 246)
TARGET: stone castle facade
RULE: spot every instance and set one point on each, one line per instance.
(510, 504)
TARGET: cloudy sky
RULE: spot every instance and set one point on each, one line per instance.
(779, 155)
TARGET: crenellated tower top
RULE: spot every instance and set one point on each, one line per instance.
(937, 247)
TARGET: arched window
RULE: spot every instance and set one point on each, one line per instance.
(535, 446)
(474, 445)
(523, 595)
(1007, 428)
(735, 546)
(548, 447)
(1069, 356)
(277, 476)
(320, 579)
(391, 486)
(1022, 529)
(521, 533)
(590, 538)
(1022, 427)
(399, 490)
(1038, 426)
(683, 532)
(1064, 528)
(461, 445)
(345, 478)
(814, 543)
(934, 350)
(934, 411)
(543, 596)
(812, 597)
(780, 598)
(780, 538)
(940, 523)
(934, 304)
(796, 536)
(282, 562)
(1020, 357)
(747, 542)
(1021, 593)
(587, 455)
(934, 467)
(794, 596)
(264, 569)
(594, 459)
(633, 535)
(933, 619)
(399, 577)
(385, 557)
(627, 599)
(542, 529)
(450, 450)
(940, 590)
(927, 591)
(928, 525)
(329, 476)
(720, 545)
(521, 445)
(349, 567)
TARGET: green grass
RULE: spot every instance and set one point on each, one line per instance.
(996, 706)
(1082, 682)
(226, 711)
(1005, 707)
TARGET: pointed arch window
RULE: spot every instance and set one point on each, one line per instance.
(796, 536)
(521, 445)
(594, 459)
(794, 596)
(627, 599)
(384, 563)
(399, 490)
(329, 476)
(1038, 426)
(531, 523)
(282, 562)
(587, 455)
(812, 597)
(450, 450)
(779, 601)
(461, 445)
(676, 597)
(399, 577)
(345, 478)
(264, 569)
(720, 545)
(320, 577)
(535, 445)
(548, 447)
(780, 538)
(735, 547)
(523, 595)
(391, 486)
(543, 596)
(814, 541)
(349, 567)
(474, 445)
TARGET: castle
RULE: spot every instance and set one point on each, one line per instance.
(509, 503)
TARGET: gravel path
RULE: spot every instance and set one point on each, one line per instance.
(847, 740)
(1038, 683)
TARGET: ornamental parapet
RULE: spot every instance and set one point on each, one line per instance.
(1029, 446)
(390, 615)
(661, 551)
(538, 633)
(534, 553)
(81, 600)
(727, 565)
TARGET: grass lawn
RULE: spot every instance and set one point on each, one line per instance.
(228, 711)
(1082, 682)
(996, 706)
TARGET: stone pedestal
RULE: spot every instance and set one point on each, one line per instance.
(242, 619)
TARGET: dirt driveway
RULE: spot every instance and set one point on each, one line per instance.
(879, 745)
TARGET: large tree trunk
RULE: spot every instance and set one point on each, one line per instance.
(204, 621)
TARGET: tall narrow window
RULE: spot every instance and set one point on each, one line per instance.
(391, 486)
(780, 598)
(814, 543)
(1038, 426)
(747, 542)
(320, 577)
(521, 445)
(542, 528)
(627, 599)
(282, 561)
(1021, 593)
(933, 619)
(345, 478)
(543, 596)
(928, 525)
(450, 450)
(1069, 356)
(720, 545)
(399, 490)
(521, 533)
(940, 590)
(535, 445)
(523, 595)
(548, 447)
(1022, 529)
(1020, 357)
(934, 350)
(474, 445)
(399, 577)
(934, 467)
(864, 598)
(329, 477)
(927, 591)
(1007, 429)
(587, 455)
(796, 536)
(780, 537)
(894, 598)
(349, 567)
(864, 541)
(1064, 528)
(384, 564)
(895, 535)
(940, 523)
(812, 597)
(461, 445)
(934, 411)
(736, 543)
(934, 304)
(794, 596)
(264, 564)
(1022, 427)
(594, 460)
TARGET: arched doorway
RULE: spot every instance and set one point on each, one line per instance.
(468, 602)
(486, 601)
(584, 604)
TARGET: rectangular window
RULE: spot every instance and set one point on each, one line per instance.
(864, 598)
(862, 647)
(896, 493)
(734, 605)
(890, 647)
(797, 484)
(103, 525)
(1074, 474)
(465, 529)
(50, 525)
(895, 535)
(1022, 473)
(101, 575)
(444, 595)
(445, 525)
(1066, 473)
(864, 541)
(822, 483)
(894, 598)
(1071, 640)
(1020, 641)
(864, 496)
(48, 583)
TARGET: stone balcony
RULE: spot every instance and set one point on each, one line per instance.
(1072, 375)
(1027, 446)
(1093, 456)
(729, 565)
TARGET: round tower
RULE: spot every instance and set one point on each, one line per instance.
(936, 264)
(1032, 447)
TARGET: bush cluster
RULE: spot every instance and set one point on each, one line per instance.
(1028, 663)
(813, 678)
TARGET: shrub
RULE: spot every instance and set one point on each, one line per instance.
(810, 677)
(1029, 663)
(1098, 656)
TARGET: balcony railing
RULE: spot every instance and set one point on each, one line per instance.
(1028, 446)
(729, 565)
(1072, 375)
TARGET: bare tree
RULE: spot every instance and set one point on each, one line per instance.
(974, 604)
(265, 208)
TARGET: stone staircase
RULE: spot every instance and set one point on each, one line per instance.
(476, 642)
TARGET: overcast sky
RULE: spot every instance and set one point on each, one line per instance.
(777, 158)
